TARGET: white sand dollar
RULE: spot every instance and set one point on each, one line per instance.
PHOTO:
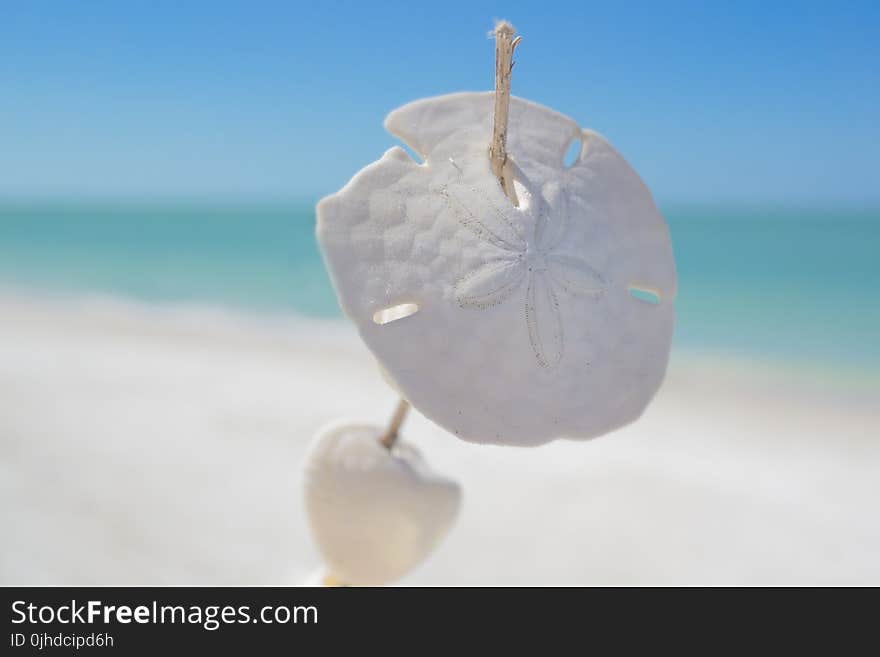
(375, 514)
(504, 324)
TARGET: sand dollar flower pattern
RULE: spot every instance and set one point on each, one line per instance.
(525, 258)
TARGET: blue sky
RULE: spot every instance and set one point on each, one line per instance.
(745, 101)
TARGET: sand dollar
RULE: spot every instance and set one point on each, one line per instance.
(375, 514)
(505, 324)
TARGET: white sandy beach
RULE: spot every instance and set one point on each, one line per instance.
(141, 445)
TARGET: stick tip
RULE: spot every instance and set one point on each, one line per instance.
(502, 27)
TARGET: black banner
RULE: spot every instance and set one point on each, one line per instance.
(241, 620)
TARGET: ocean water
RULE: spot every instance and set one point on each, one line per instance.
(781, 283)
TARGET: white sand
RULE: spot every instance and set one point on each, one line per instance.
(149, 446)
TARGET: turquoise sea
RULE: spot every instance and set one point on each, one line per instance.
(778, 283)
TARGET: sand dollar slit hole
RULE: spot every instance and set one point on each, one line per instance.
(572, 153)
(644, 294)
(523, 196)
(395, 313)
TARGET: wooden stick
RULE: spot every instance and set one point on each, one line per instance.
(505, 44)
(390, 436)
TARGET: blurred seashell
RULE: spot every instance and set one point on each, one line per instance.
(375, 513)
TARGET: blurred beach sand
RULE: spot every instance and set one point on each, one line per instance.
(150, 445)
